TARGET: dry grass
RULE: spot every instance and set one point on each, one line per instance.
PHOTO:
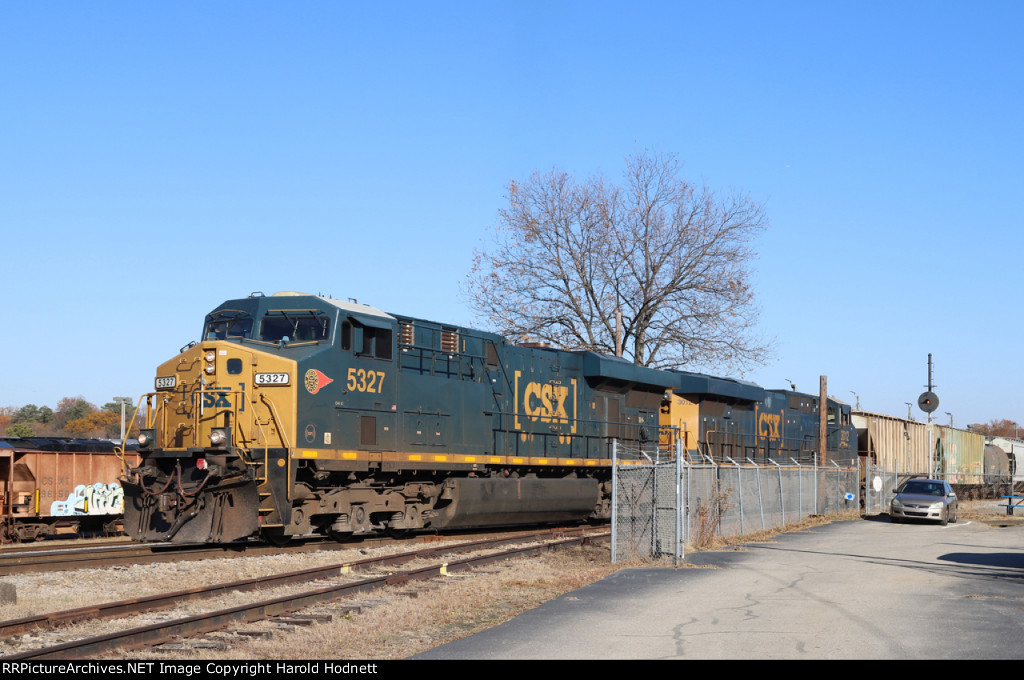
(988, 511)
(715, 542)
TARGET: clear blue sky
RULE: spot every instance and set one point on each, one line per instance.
(157, 158)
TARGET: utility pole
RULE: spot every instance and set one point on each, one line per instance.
(823, 421)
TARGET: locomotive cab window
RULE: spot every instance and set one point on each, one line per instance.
(369, 338)
(224, 325)
(346, 335)
(296, 326)
(376, 342)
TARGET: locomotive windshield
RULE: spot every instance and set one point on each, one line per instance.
(297, 326)
(228, 324)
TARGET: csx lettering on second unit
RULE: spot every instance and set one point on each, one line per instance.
(546, 403)
(768, 425)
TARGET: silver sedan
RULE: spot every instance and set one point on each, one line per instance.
(929, 499)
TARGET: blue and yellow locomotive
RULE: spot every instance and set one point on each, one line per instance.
(300, 414)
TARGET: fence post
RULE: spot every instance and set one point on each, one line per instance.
(680, 551)
(782, 495)
(739, 483)
(799, 488)
(839, 490)
(760, 498)
(816, 512)
(615, 502)
(655, 472)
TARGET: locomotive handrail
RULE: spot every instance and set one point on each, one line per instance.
(803, 446)
(284, 440)
(579, 434)
(427, 358)
(119, 450)
(580, 421)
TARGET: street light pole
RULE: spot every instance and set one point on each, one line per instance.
(123, 401)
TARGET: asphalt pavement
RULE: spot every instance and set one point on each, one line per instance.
(859, 589)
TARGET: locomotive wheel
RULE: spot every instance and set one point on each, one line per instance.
(275, 536)
(397, 533)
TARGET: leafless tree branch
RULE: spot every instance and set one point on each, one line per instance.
(673, 257)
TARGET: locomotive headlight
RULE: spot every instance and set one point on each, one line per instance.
(210, 356)
(146, 438)
(210, 368)
(218, 436)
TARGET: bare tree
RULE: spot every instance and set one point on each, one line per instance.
(672, 258)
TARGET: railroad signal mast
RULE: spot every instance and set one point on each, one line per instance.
(928, 401)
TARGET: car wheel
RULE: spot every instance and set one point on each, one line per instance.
(945, 517)
(953, 518)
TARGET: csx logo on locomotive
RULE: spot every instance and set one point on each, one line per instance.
(216, 400)
(221, 398)
(769, 426)
(550, 402)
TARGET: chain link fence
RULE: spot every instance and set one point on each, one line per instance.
(661, 502)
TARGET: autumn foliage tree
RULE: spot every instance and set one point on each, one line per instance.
(999, 428)
(74, 417)
(95, 424)
(658, 263)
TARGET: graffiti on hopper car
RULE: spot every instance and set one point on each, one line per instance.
(92, 499)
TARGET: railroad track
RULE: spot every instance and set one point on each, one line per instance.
(98, 557)
(51, 559)
(489, 551)
(60, 544)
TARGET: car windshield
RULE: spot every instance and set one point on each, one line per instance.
(924, 488)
